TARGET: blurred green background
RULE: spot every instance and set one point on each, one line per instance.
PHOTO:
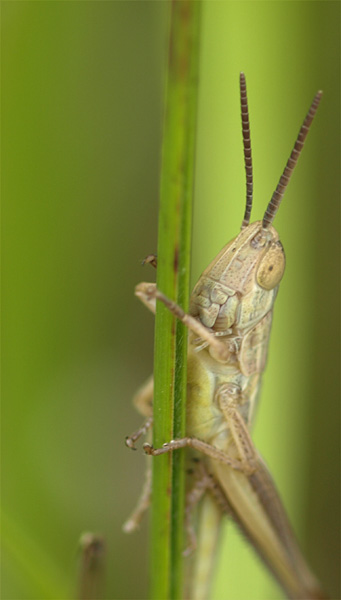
(82, 95)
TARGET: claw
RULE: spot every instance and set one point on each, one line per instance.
(151, 259)
(130, 443)
(148, 448)
(130, 526)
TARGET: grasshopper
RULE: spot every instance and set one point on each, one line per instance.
(229, 324)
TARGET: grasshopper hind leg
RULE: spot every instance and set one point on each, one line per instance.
(202, 483)
(202, 565)
(133, 522)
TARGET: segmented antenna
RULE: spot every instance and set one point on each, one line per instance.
(247, 150)
(285, 178)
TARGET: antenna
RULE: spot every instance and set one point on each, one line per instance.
(247, 150)
(278, 194)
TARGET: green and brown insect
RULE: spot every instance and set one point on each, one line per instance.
(229, 325)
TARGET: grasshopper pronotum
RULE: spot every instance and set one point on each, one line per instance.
(229, 325)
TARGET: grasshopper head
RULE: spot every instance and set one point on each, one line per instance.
(238, 288)
(254, 258)
(258, 252)
(270, 263)
(260, 239)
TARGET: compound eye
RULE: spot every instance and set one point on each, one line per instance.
(271, 268)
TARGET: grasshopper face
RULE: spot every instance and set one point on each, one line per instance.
(239, 287)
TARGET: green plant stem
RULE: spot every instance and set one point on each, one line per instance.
(174, 244)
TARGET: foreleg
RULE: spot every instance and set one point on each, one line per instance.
(148, 294)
